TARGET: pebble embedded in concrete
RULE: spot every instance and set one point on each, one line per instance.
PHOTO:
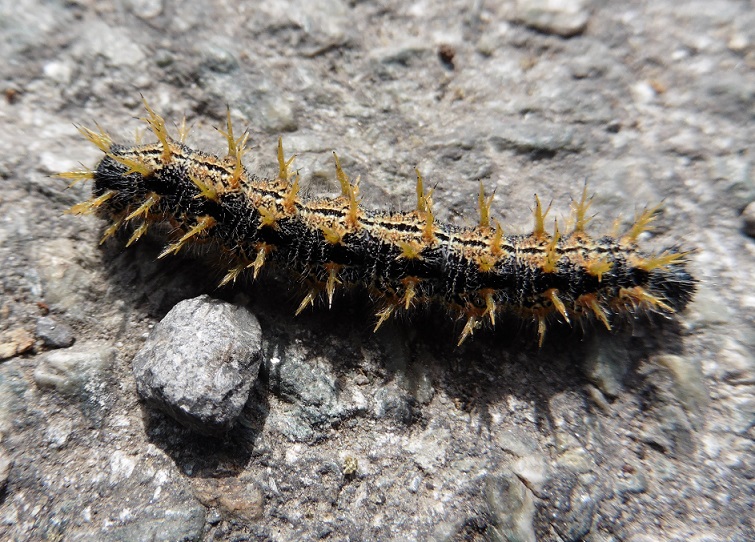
(53, 333)
(76, 369)
(561, 17)
(200, 362)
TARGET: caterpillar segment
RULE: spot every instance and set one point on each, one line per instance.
(405, 260)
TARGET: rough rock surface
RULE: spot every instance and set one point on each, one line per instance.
(53, 333)
(646, 434)
(200, 362)
(561, 17)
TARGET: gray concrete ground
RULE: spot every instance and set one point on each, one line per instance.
(644, 435)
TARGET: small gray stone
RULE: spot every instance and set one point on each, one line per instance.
(309, 387)
(736, 362)
(532, 470)
(200, 362)
(748, 219)
(735, 172)
(163, 58)
(74, 369)
(309, 384)
(218, 59)
(53, 333)
(561, 17)
(606, 366)
(670, 431)
(291, 421)
(391, 402)
(274, 113)
(517, 442)
(512, 507)
(571, 504)
(145, 9)
(214, 517)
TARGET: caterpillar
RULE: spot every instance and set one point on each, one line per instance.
(403, 259)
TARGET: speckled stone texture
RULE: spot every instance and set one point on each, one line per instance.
(199, 364)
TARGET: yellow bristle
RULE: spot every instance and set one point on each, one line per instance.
(539, 228)
(157, 125)
(308, 300)
(468, 330)
(383, 315)
(484, 206)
